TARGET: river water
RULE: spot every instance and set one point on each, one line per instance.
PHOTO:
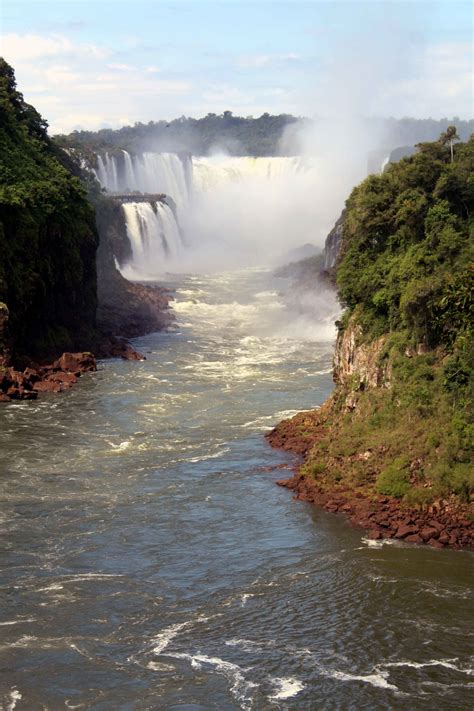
(149, 561)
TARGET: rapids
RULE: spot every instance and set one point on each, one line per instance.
(149, 561)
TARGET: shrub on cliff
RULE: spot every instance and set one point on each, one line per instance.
(407, 237)
(48, 238)
(406, 278)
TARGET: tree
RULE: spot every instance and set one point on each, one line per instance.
(449, 136)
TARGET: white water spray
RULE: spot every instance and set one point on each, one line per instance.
(234, 211)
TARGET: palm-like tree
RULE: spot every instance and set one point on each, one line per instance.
(449, 136)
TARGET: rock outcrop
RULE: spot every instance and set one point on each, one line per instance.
(441, 525)
(332, 245)
(359, 364)
(125, 309)
(51, 378)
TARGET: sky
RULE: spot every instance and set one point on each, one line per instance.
(108, 63)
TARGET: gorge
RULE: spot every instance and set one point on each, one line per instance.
(149, 561)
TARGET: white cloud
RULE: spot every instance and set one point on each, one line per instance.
(75, 84)
(120, 67)
(80, 85)
(33, 46)
(440, 84)
(16, 47)
(266, 60)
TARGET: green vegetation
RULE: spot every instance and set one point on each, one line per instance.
(407, 250)
(235, 134)
(240, 135)
(406, 278)
(48, 238)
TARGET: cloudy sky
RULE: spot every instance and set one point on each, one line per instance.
(97, 63)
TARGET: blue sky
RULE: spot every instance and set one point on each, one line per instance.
(101, 63)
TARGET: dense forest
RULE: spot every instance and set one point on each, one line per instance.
(48, 238)
(237, 135)
(400, 421)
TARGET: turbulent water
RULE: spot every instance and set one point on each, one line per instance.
(150, 562)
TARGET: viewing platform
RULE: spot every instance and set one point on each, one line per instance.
(140, 197)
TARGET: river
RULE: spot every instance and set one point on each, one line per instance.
(150, 562)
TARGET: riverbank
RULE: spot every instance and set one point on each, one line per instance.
(445, 523)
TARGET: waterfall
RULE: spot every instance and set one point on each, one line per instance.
(145, 173)
(212, 172)
(154, 238)
(240, 207)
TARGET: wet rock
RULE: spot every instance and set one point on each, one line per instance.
(374, 535)
(77, 363)
(405, 530)
(434, 543)
(65, 379)
(429, 532)
(414, 538)
(4, 397)
(47, 386)
(444, 538)
(436, 524)
(31, 375)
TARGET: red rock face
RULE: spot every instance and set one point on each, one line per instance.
(76, 363)
(53, 378)
(119, 348)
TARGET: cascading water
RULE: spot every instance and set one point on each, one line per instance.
(154, 238)
(146, 173)
(234, 210)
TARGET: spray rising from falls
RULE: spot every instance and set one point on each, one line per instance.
(234, 211)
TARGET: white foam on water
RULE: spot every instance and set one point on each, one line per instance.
(259, 423)
(121, 447)
(162, 640)
(286, 688)
(240, 687)
(15, 696)
(370, 543)
(448, 593)
(379, 679)
(51, 588)
(17, 622)
(245, 597)
(204, 457)
(248, 645)
(160, 667)
(446, 663)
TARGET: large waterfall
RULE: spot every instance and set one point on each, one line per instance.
(146, 173)
(230, 208)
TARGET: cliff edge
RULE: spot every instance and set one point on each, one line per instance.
(392, 447)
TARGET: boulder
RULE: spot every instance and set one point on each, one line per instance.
(405, 530)
(429, 532)
(47, 386)
(66, 379)
(77, 363)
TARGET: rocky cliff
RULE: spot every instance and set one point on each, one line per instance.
(48, 238)
(392, 446)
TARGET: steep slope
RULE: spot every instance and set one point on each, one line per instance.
(397, 432)
(48, 238)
